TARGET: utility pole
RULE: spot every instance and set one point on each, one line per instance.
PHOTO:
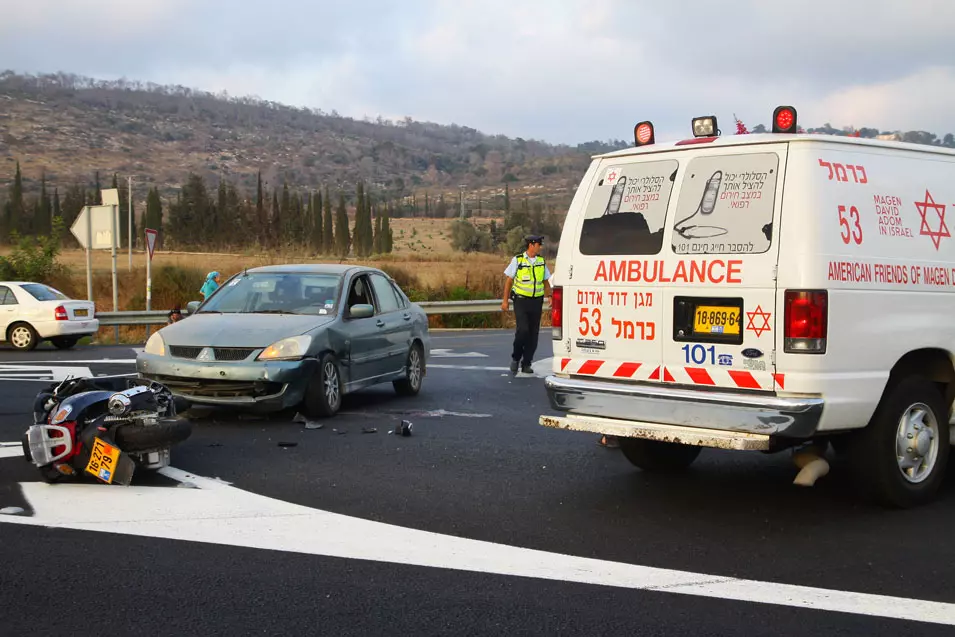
(461, 197)
(129, 224)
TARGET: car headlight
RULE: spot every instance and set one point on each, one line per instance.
(287, 349)
(155, 345)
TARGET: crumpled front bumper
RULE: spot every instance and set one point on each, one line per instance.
(272, 384)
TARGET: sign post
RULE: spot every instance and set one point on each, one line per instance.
(89, 253)
(111, 198)
(151, 236)
(92, 232)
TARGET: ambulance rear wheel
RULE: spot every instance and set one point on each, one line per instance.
(658, 457)
(899, 458)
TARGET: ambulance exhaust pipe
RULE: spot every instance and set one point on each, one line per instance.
(811, 463)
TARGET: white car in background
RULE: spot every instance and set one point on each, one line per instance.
(33, 312)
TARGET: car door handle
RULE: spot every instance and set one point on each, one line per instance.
(406, 316)
(380, 323)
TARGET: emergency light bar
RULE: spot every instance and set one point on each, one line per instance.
(705, 126)
(784, 120)
(643, 134)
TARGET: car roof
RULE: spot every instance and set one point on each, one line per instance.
(21, 283)
(312, 268)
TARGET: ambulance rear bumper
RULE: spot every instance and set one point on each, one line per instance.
(684, 407)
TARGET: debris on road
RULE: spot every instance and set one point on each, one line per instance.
(369, 430)
(340, 432)
(12, 511)
(288, 444)
(312, 424)
(404, 428)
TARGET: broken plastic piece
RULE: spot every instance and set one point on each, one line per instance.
(311, 424)
(369, 430)
(404, 428)
(288, 444)
(12, 511)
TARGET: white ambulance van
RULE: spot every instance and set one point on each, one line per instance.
(762, 292)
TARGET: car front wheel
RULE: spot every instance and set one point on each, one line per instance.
(410, 385)
(324, 395)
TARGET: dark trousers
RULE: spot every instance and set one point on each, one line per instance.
(528, 312)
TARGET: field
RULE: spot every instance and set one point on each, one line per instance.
(423, 263)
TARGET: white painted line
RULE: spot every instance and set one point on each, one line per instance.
(450, 353)
(477, 367)
(98, 361)
(217, 513)
(31, 372)
(12, 451)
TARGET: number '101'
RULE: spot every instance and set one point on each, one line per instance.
(699, 354)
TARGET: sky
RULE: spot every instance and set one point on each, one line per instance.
(562, 71)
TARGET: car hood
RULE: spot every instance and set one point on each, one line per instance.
(239, 330)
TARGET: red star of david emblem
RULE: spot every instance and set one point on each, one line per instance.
(612, 176)
(926, 229)
(764, 316)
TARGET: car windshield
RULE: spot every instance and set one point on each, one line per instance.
(277, 293)
(43, 292)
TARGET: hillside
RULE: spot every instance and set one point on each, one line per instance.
(70, 127)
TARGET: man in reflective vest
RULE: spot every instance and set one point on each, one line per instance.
(528, 282)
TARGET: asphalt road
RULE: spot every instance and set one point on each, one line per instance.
(368, 533)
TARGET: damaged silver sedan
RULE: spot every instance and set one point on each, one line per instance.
(285, 336)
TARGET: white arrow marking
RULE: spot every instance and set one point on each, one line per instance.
(218, 513)
(450, 353)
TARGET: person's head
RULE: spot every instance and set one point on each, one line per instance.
(213, 276)
(175, 315)
(534, 243)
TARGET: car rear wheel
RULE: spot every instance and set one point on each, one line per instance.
(64, 342)
(23, 337)
(899, 458)
(410, 385)
(656, 456)
(324, 395)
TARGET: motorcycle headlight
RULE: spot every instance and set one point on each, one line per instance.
(288, 349)
(155, 345)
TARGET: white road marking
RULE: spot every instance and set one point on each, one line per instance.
(478, 367)
(14, 450)
(97, 361)
(42, 372)
(217, 513)
(450, 353)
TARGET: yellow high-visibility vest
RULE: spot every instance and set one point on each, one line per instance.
(529, 278)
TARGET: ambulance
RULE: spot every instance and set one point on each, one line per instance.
(763, 292)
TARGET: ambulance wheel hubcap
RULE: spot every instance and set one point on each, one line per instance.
(916, 443)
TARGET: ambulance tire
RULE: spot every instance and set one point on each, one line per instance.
(654, 456)
(871, 451)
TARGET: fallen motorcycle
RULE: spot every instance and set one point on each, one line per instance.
(106, 426)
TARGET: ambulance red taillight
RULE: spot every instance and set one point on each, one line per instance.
(806, 321)
(557, 313)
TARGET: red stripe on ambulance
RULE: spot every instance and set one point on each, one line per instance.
(699, 376)
(779, 380)
(744, 380)
(626, 370)
(590, 367)
(563, 363)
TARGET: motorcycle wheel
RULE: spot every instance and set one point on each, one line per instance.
(169, 431)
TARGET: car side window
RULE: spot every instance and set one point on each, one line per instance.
(402, 301)
(7, 297)
(358, 292)
(385, 294)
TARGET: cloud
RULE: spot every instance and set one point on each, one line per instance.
(565, 71)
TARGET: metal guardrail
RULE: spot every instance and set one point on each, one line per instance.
(160, 317)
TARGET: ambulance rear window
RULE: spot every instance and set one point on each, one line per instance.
(726, 205)
(627, 209)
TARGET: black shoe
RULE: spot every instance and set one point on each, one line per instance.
(513, 367)
(526, 369)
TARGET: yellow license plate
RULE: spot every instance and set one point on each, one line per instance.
(103, 460)
(715, 319)
(81, 313)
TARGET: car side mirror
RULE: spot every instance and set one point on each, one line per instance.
(361, 310)
(192, 306)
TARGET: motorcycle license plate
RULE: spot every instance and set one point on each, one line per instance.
(103, 460)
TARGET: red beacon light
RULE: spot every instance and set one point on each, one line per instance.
(784, 120)
(643, 134)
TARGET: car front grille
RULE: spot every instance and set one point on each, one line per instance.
(221, 353)
(219, 388)
(184, 352)
(232, 353)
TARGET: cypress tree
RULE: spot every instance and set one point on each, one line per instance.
(328, 236)
(342, 239)
(315, 211)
